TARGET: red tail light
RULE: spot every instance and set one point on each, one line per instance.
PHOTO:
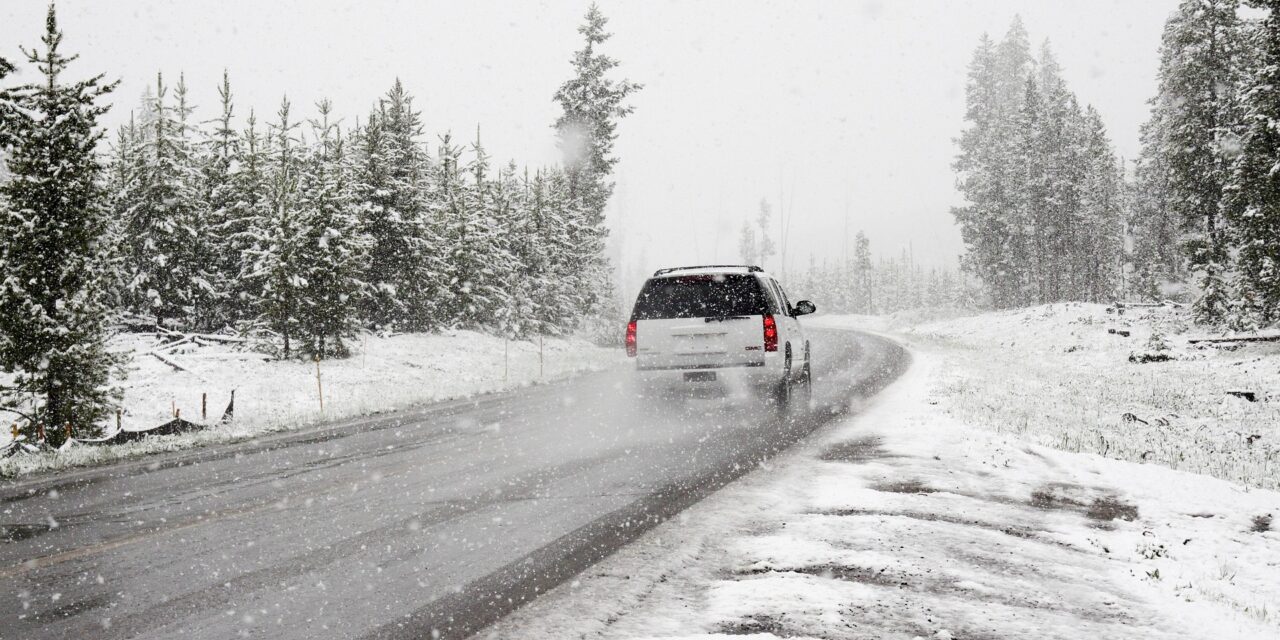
(770, 333)
(631, 339)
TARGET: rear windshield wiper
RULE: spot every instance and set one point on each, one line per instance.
(723, 318)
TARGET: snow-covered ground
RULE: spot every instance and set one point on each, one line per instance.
(1056, 375)
(384, 374)
(911, 520)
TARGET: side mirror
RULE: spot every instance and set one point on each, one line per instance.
(803, 308)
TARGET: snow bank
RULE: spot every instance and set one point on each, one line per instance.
(1065, 375)
(384, 374)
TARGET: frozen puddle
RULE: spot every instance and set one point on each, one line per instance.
(902, 523)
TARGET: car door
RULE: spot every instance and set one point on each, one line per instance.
(793, 333)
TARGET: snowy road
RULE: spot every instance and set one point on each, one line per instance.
(440, 519)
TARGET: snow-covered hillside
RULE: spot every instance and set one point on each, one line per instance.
(384, 374)
(1066, 376)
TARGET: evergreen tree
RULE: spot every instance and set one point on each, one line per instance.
(989, 168)
(332, 250)
(167, 219)
(245, 215)
(556, 297)
(1101, 239)
(591, 105)
(1255, 196)
(278, 255)
(405, 266)
(7, 113)
(53, 218)
(766, 246)
(122, 169)
(1042, 217)
(222, 147)
(1028, 243)
(1157, 253)
(477, 255)
(512, 240)
(199, 252)
(1196, 110)
(863, 301)
(748, 247)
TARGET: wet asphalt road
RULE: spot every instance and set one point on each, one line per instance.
(440, 519)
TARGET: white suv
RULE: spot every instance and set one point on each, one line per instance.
(722, 326)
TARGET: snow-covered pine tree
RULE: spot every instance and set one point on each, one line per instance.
(864, 275)
(513, 240)
(200, 252)
(1157, 256)
(1197, 111)
(748, 247)
(244, 218)
(1027, 244)
(278, 259)
(1101, 240)
(53, 215)
(1027, 159)
(332, 250)
(556, 300)
(398, 213)
(766, 245)
(221, 148)
(1060, 224)
(987, 166)
(122, 168)
(7, 111)
(166, 222)
(476, 254)
(591, 104)
(455, 220)
(1255, 191)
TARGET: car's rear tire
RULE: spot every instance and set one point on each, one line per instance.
(784, 395)
(784, 389)
(806, 380)
(803, 397)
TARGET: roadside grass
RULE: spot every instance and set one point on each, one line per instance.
(1055, 375)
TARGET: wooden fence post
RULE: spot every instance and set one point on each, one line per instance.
(319, 384)
(204, 406)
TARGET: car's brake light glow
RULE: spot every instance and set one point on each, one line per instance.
(631, 339)
(770, 333)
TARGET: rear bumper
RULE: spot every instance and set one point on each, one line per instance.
(747, 377)
(699, 367)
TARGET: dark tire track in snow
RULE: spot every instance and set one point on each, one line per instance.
(438, 519)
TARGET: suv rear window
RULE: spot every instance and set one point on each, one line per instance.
(700, 296)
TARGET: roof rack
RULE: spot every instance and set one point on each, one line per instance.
(751, 268)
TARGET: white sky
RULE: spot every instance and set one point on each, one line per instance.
(840, 106)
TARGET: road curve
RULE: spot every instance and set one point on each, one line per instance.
(440, 519)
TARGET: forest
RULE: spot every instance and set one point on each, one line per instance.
(290, 228)
(1051, 214)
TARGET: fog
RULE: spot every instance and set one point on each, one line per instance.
(840, 113)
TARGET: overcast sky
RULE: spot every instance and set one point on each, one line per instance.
(842, 111)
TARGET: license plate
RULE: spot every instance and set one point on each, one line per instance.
(700, 376)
